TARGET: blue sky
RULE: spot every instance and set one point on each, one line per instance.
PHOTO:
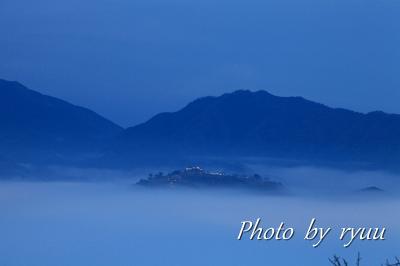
(129, 60)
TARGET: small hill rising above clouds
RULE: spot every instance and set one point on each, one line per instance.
(245, 123)
(33, 124)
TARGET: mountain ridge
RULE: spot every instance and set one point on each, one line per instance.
(258, 123)
(32, 122)
(237, 124)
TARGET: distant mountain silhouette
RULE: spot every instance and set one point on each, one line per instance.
(243, 123)
(33, 124)
(247, 123)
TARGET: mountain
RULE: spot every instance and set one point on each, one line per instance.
(34, 125)
(245, 123)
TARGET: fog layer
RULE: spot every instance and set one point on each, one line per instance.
(61, 223)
